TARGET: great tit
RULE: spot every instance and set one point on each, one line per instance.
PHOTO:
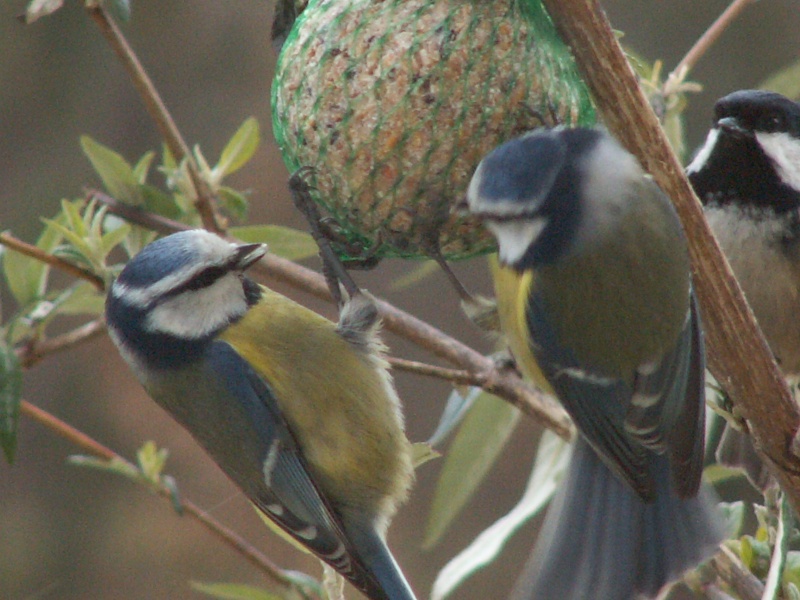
(301, 413)
(747, 174)
(595, 299)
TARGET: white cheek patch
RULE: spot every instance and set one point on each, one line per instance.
(705, 152)
(784, 150)
(195, 314)
(515, 237)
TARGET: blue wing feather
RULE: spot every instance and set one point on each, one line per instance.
(264, 460)
(625, 421)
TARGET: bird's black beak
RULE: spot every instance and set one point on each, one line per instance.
(731, 126)
(247, 255)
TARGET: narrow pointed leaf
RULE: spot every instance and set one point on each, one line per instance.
(10, 398)
(285, 242)
(41, 8)
(26, 276)
(478, 443)
(551, 462)
(456, 407)
(239, 149)
(234, 591)
(115, 172)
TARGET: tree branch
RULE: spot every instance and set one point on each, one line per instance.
(34, 353)
(95, 448)
(738, 354)
(204, 202)
(503, 383)
(730, 569)
(710, 36)
(9, 241)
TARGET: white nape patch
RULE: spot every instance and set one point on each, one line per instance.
(784, 150)
(515, 237)
(195, 314)
(607, 173)
(702, 156)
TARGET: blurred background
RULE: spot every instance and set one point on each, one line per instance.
(73, 533)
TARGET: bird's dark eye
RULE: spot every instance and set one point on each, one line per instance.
(205, 278)
(771, 123)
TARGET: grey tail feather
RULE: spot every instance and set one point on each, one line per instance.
(386, 581)
(601, 541)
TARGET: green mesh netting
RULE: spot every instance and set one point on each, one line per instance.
(395, 102)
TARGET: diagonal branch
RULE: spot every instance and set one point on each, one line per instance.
(158, 112)
(9, 241)
(503, 383)
(95, 448)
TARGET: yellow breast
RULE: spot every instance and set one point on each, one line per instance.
(342, 409)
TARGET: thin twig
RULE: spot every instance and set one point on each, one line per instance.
(730, 569)
(710, 36)
(97, 449)
(34, 353)
(158, 112)
(454, 376)
(738, 354)
(9, 241)
(503, 383)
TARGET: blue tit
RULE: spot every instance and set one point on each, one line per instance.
(747, 174)
(301, 413)
(595, 299)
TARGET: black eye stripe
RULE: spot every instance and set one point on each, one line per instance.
(202, 279)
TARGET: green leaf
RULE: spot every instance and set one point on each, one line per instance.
(41, 8)
(716, 473)
(746, 551)
(286, 242)
(234, 591)
(117, 175)
(80, 248)
(158, 202)
(551, 462)
(791, 591)
(478, 443)
(10, 398)
(791, 573)
(151, 461)
(113, 237)
(455, 409)
(733, 514)
(26, 276)
(83, 299)
(121, 9)
(142, 167)
(239, 149)
(234, 202)
(421, 453)
(772, 586)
